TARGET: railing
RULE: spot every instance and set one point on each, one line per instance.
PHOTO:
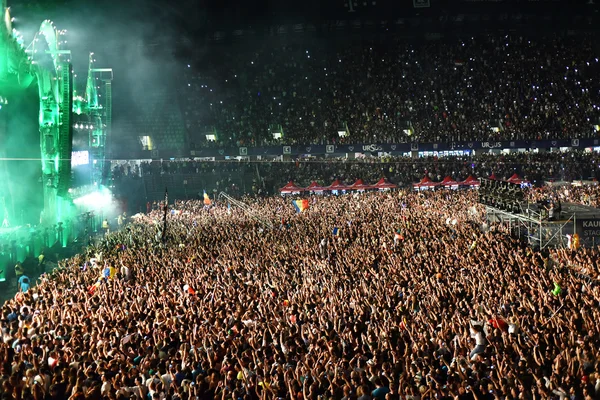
(393, 148)
(244, 207)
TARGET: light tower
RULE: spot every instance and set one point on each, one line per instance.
(99, 108)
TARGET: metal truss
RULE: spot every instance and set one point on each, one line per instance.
(530, 226)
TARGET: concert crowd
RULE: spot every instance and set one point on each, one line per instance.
(268, 176)
(487, 87)
(388, 295)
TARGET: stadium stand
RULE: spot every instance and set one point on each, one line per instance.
(486, 87)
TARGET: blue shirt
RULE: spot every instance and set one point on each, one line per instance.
(380, 392)
(24, 283)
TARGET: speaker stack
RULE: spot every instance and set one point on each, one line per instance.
(505, 196)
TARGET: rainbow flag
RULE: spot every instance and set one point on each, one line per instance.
(301, 205)
(398, 235)
(207, 201)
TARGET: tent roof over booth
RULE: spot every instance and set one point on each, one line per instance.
(516, 179)
(315, 187)
(426, 182)
(470, 181)
(384, 184)
(291, 187)
(360, 185)
(337, 185)
(448, 181)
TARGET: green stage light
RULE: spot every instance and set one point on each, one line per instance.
(96, 200)
(44, 66)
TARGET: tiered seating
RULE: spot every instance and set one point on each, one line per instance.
(481, 88)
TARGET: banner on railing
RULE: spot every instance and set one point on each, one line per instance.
(394, 148)
(589, 229)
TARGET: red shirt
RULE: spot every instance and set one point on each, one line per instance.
(498, 324)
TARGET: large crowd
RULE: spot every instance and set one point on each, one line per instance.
(389, 295)
(488, 87)
(269, 176)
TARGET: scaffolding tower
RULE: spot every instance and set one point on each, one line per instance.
(532, 227)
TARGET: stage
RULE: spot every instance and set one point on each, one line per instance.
(533, 225)
(568, 211)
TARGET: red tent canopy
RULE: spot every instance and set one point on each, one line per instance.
(425, 182)
(315, 187)
(449, 182)
(470, 181)
(291, 188)
(493, 177)
(337, 185)
(360, 185)
(384, 184)
(516, 179)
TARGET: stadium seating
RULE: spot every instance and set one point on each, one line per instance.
(476, 88)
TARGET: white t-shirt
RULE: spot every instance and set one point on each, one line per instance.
(106, 386)
(166, 378)
(479, 338)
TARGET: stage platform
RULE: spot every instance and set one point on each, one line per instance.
(579, 211)
(532, 224)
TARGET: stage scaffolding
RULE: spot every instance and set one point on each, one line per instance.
(532, 227)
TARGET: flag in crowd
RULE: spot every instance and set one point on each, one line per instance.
(398, 236)
(207, 201)
(300, 205)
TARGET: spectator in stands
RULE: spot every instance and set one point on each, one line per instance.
(243, 177)
(488, 87)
